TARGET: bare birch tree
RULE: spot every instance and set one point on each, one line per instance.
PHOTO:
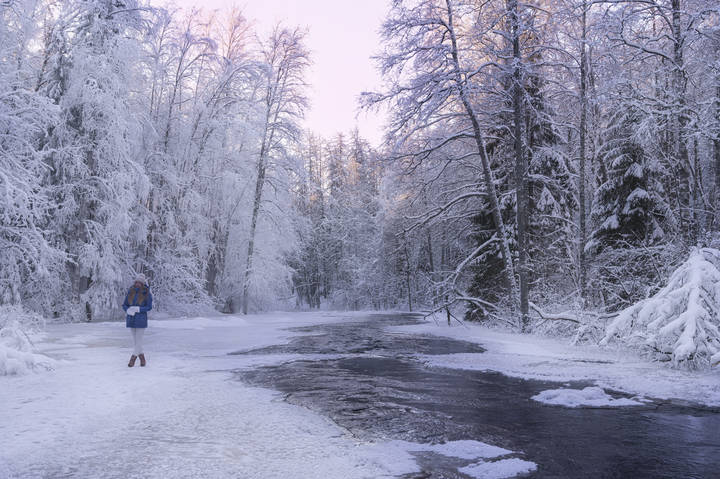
(285, 62)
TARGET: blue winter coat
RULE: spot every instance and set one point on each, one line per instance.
(137, 297)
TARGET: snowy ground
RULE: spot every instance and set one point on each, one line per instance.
(184, 416)
(533, 357)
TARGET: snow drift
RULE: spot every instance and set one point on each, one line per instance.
(680, 323)
(591, 396)
(16, 351)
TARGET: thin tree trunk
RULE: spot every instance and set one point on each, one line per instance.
(582, 273)
(716, 156)
(431, 264)
(431, 260)
(521, 188)
(699, 200)
(253, 226)
(485, 161)
(679, 120)
(409, 291)
(407, 277)
(271, 118)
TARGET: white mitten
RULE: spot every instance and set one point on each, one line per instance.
(133, 310)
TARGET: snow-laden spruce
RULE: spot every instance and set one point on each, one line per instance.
(680, 322)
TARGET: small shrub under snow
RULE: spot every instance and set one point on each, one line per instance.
(16, 350)
(680, 322)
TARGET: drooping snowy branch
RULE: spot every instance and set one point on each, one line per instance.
(681, 322)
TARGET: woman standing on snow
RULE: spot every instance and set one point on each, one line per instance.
(138, 302)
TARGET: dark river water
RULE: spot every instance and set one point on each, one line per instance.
(382, 392)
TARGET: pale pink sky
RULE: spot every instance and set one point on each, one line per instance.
(342, 37)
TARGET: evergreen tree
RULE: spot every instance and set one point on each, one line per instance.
(628, 243)
(553, 196)
(628, 208)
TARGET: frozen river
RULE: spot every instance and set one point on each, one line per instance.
(378, 390)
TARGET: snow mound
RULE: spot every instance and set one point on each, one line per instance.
(16, 351)
(395, 457)
(591, 396)
(680, 323)
(467, 449)
(498, 469)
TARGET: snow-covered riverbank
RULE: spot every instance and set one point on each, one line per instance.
(554, 359)
(185, 416)
(181, 416)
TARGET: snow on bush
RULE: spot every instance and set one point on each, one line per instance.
(679, 323)
(16, 350)
(590, 396)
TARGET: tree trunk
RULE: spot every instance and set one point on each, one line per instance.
(582, 268)
(679, 120)
(272, 113)
(485, 162)
(260, 182)
(407, 277)
(716, 156)
(521, 183)
(253, 225)
(431, 261)
(431, 265)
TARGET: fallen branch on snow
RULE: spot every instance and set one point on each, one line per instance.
(565, 316)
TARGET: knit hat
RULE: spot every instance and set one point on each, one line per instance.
(141, 278)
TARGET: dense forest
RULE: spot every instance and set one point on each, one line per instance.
(546, 164)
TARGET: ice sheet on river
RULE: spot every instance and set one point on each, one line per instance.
(592, 396)
(499, 469)
(489, 462)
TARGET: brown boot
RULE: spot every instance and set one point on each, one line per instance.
(132, 361)
(142, 360)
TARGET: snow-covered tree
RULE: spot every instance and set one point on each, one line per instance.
(628, 208)
(680, 322)
(629, 244)
(356, 205)
(285, 61)
(201, 107)
(93, 171)
(434, 80)
(339, 259)
(29, 260)
(552, 229)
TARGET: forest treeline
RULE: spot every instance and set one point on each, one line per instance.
(560, 154)
(143, 139)
(552, 155)
(136, 138)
